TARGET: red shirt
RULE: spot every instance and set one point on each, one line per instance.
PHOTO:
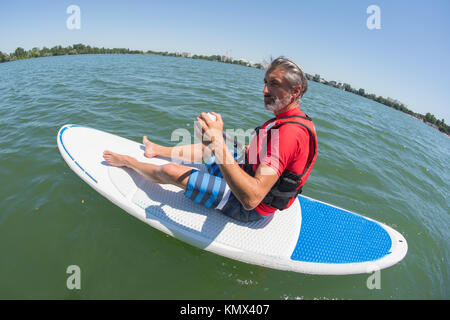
(286, 148)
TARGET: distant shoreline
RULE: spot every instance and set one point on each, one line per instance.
(76, 49)
(428, 118)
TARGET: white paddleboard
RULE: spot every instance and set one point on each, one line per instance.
(309, 237)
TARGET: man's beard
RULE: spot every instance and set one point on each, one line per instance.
(277, 104)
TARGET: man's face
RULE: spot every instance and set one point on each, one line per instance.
(277, 93)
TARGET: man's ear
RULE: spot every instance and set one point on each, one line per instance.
(296, 91)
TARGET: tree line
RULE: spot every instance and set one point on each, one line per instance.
(21, 53)
(427, 118)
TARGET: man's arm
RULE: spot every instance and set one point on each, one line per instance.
(250, 191)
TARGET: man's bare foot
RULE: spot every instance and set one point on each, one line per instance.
(150, 148)
(115, 159)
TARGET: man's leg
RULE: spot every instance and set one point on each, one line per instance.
(201, 187)
(171, 173)
(193, 153)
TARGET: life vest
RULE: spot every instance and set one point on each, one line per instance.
(289, 184)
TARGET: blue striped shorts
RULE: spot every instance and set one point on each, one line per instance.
(211, 190)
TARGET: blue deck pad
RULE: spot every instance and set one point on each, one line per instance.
(332, 235)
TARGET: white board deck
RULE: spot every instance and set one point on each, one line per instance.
(280, 242)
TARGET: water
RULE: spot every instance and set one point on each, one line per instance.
(372, 160)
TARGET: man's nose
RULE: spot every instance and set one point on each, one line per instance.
(266, 89)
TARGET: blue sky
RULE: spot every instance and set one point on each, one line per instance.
(407, 59)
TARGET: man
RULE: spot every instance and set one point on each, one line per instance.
(278, 159)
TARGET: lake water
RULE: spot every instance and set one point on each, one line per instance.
(372, 160)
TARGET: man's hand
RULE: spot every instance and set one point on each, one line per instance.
(212, 131)
(249, 190)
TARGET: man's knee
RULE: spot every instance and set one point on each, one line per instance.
(169, 169)
(174, 173)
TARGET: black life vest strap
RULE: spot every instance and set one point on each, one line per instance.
(285, 194)
(287, 117)
(311, 135)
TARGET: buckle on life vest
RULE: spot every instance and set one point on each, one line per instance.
(283, 191)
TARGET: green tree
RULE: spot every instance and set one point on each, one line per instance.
(35, 53)
(19, 53)
(3, 57)
(80, 48)
(45, 52)
(430, 118)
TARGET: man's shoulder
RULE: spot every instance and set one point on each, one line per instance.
(293, 128)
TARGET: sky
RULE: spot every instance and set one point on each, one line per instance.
(405, 59)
